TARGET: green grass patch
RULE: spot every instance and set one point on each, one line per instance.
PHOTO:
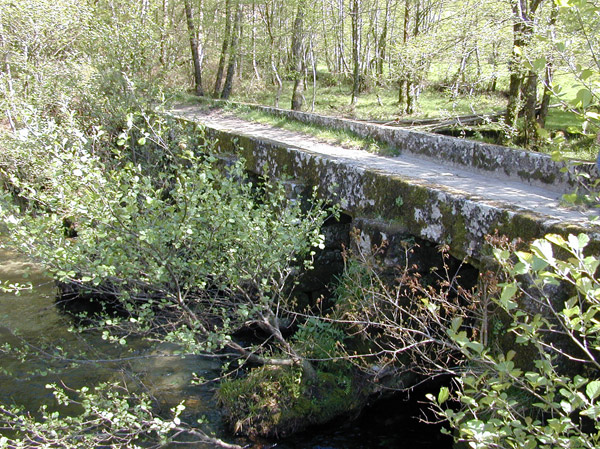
(333, 136)
(378, 103)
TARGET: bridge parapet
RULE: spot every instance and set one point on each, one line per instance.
(406, 197)
(529, 167)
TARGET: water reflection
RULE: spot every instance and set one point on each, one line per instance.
(32, 320)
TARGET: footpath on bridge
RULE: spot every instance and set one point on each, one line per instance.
(508, 197)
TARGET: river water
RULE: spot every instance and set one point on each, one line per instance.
(33, 315)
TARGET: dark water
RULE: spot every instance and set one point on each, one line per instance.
(388, 423)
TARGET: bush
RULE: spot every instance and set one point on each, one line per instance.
(551, 401)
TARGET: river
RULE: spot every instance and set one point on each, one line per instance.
(33, 315)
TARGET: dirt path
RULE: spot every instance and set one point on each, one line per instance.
(483, 188)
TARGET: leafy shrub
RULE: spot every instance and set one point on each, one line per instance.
(552, 400)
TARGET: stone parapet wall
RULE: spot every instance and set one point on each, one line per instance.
(402, 205)
(502, 162)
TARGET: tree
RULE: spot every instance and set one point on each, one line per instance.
(224, 49)
(356, 47)
(298, 57)
(233, 52)
(195, 32)
(178, 250)
(523, 29)
(520, 348)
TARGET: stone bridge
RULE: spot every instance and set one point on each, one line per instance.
(441, 190)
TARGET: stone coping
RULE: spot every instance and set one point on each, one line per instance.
(501, 162)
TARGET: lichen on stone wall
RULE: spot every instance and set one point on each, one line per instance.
(427, 211)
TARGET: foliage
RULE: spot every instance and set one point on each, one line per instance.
(522, 348)
(108, 415)
(399, 320)
(176, 244)
(583, 95)
(319, 339)
(550, 400)
(160, 230)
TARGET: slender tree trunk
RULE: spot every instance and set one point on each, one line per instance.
(530, 134)
(196, 46)
(548, 75)
(224, 49)
(239, 66)
(233, 53)
(164, 33)
(343, 65)
(277, 79)
(325, 37)
(254, 63)
(547, 95)
(355, 15)
(297, 57)
(382, 44)
(313, 63)
(410, 97)
(403, 81)
(523, 13)
(9, 90)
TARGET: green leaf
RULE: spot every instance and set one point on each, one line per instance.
(543, 249)
(508, 292)
(557, 240)
(593, 389)
(592, 412)
(443, 395)
(585, 74)
(539, 63)
(583, 98)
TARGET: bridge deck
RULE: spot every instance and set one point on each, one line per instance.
(484, 190)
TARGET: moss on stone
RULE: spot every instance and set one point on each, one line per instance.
(275, 401)
(426, 211)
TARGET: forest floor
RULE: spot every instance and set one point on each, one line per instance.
(496, 192)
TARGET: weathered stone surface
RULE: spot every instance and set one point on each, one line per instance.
(525, 166)
(435, 203)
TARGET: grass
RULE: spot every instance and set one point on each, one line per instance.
(333, 136)
(381, 104)
(378, 103)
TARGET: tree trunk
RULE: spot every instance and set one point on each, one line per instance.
(548, 75)
(297, 57)
(277, 79)
(530, 134)
(164, 33)
(523, 14)
(382, 44)
(410, 97)
(313, 64)
(514, 96)
(224, 49)
(233, 54)
(403, 82)
(254, 64)
(196, 46)
(401, 95)
(355, 50)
